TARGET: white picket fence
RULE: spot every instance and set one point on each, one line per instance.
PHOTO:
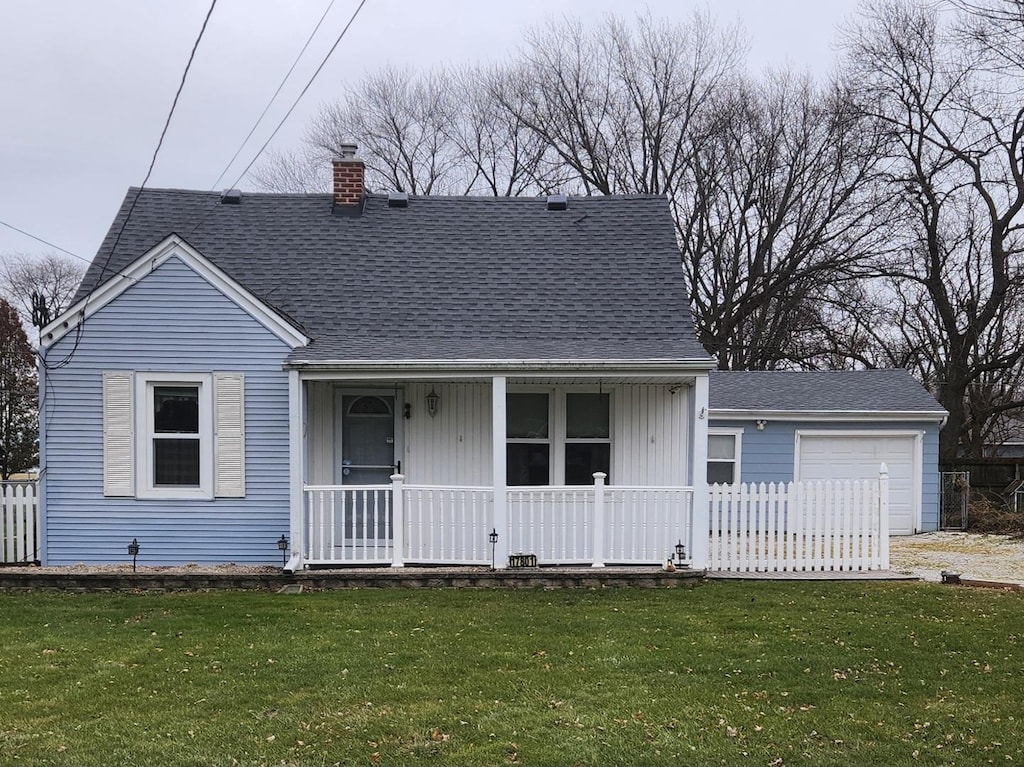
(800, 526)
(19, 523)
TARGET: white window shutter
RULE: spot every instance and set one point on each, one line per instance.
(118, 434)
(229, 435)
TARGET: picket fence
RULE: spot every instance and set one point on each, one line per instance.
(800, 526)
(19, 523)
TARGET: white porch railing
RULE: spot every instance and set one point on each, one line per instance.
(348, 525)
(19, 522)
(447, 525)
(398, 523)
(821, 526)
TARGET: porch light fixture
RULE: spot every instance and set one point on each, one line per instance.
(760, 423)
(433, 402)
(407, 411)
(282, 545)
(493, 538)
(133, 551)
(680, 553)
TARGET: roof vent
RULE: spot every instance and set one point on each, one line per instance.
(398, 199)
(558, 202)
(231, 197)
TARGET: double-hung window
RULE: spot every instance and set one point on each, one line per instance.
(528, 430)
(724, 456)
(588, 443)
(177, 436)
(557, 437)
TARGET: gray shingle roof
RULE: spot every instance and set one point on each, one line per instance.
(445, 278)
(839, 390)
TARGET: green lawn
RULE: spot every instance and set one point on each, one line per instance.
(727, 673)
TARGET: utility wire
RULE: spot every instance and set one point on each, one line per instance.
(160, 143)
(78, 331)
(45, 242)
(272, 98)
(291, 109)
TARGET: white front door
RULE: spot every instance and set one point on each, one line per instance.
(838, 456)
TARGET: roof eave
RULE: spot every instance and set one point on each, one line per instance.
(742, 414)
(687, 366)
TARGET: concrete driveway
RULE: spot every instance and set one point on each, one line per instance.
(975, 556)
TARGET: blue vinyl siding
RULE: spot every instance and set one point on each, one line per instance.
(767, 456)
(170, 321)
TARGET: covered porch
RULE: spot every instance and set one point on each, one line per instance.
(587, 466)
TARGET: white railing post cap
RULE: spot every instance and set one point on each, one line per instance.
(599, 475)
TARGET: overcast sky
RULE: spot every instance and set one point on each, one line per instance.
(85, 87)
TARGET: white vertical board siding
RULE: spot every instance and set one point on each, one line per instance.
(649, 436)
(453, 447)
(320, 432)
(171, 320)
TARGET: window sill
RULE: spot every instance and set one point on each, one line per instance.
(175, 494)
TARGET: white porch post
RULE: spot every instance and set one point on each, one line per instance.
(296, 465)
(883, 521)
(599, 478)
(398, 521)
(498, 472)
(701, 516)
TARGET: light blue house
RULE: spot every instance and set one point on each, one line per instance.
(376, 379)
(830, 425)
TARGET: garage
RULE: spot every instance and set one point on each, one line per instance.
(837, 455)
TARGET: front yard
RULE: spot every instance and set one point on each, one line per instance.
(727, 673)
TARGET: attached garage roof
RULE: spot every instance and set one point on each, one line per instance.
(821, 391)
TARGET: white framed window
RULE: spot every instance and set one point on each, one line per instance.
(173, 435)
(557, 437)
(725, 448)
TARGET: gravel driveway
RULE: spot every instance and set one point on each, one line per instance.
(974, 556)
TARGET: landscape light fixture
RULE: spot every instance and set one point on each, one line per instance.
(433, 402)
(133, 551)
(493, 538)
(282, 545)
(680, 552)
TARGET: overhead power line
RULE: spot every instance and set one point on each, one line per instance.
(45, 242)
(124, 222)
(291, 109)
(159, 144)
(273, 98)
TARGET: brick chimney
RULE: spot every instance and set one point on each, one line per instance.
(348, 178)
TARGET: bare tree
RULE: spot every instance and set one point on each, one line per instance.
(40, 288)
(955, 178)
(778, 221)
(18, 396)
(616, 104)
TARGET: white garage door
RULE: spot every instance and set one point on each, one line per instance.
(858, 456)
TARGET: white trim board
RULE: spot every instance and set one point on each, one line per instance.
(172, 247)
